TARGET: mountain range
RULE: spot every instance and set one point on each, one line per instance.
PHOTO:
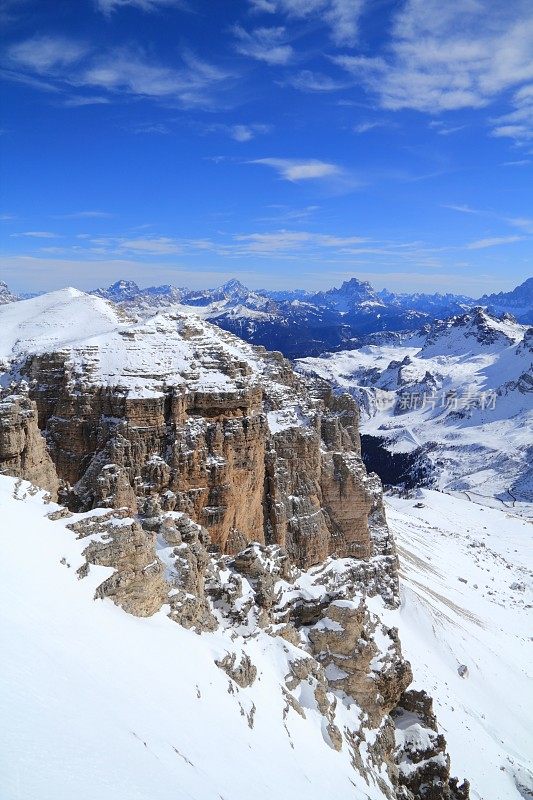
(301, 323)
(448, 406)
(211, 576)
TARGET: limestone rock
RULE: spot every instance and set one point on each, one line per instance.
(424, 764)
(23, 451)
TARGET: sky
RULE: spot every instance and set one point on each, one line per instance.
(287, 143)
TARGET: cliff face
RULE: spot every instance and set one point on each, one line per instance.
(222, 487)
(23, 451)
(230, 435)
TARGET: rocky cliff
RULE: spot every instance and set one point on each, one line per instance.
(224, 489)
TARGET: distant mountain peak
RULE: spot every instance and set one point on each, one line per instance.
(6, 295)
(234, 285)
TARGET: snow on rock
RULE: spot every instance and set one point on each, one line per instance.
(97, 703)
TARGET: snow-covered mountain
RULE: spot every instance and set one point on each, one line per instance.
(6, 296)
(451, 405)
(519, 302)
(296, 323)
(127, 291)
(438, 306)
(301, 323)
(214, 494)
(215, 605)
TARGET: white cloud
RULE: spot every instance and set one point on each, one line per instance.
(364, 127)
(341, 16)
(87, 215)
(161, 245)
(445, 56)
(518, 124)
(37, 234)
(109, 6)
(481, 244)
(264, 44)
(291, 241)
(76, 101)
(66, 64)
(523, 223)
(445, 130)
(245, 133)
(462, 209)
(522, 162)
(44, 54)
(307, 81)
(292, 169)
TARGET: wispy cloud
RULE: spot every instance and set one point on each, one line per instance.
(291, 241)
(58, 64)
(37, 234)
(518, 124)
(131, 73)
(109, 6)
(370, 125)
(77, 101)
(495, 241)
(294, 170)
(445, 56)
(45, 54)
(307, 81)
(523, 223)
(239, 132)
(522, 162)
(442, 129)
(341, 16)
(463, 209)
(264, 44)
(92, 214)
(244, 133)
(162, 245)
(10, 10)
(148, 128)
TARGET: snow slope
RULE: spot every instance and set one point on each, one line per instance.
(104, 705)
(467, 594)
(100, 705)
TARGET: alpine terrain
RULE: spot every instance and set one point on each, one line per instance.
(217, 595)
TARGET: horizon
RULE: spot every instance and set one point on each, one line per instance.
(259, 289)
(287, 144)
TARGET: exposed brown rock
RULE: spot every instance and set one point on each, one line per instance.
(213, 456)
(243, 672)
(137, 583)
(424, 764)
(343, 642)
(23, 451)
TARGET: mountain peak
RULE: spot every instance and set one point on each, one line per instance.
(6, 296)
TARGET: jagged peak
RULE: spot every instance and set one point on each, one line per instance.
(234, 285)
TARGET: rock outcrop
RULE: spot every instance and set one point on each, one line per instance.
(23, 451)
(224, 432)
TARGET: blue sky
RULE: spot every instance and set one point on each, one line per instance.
(284, 142)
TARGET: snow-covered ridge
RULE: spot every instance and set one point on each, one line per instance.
(305, 323)
(459, 392)
(140, 355)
